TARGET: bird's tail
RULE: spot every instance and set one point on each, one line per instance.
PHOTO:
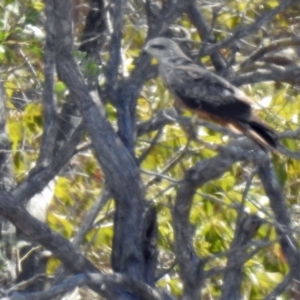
(261, 133)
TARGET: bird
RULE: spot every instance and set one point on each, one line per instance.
(208, 95)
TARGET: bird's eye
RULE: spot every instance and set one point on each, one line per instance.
(160, 47)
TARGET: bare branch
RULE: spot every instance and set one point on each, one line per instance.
(6, 165)
(277, 201)
(121, 172)
(192, 266)
(245, 231)
(151, 146)
(242, 258)
(170, 116)
(135, 287)
(68, 119)
(273, 46)
(290, 134)
(93, 35)
(58, 290)
(272, 73)
(50, 115)
(281, 286)
(289, 153)
(162, 118)
(166, 16)
(39, 232)
(90, 218)
(206, 35)
(112, 68)
(250, 29)
(64, 250)
(112, 287)
(40, 177)
(129, 88)
(275, 193)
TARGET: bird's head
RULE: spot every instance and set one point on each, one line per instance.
(162, 48)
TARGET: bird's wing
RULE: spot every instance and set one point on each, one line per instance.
(200, 89)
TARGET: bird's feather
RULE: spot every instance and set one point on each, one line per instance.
(200, 89)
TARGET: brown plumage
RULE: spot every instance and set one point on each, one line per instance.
(207, 94)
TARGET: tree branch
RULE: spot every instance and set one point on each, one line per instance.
(288, 74)
(111, 285)
(273, 46)
(281, 287)
(87, 223)
(245, 230)
(65, 251)
(6, 161)
(113, 63)
(40, 232)
(55, 291)
(50, 116)
(250, 29)
(121, 172)
(129, 88)
(192, 266)
(93, 36)
(38, 178)
(275, 193)
(206, 35)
